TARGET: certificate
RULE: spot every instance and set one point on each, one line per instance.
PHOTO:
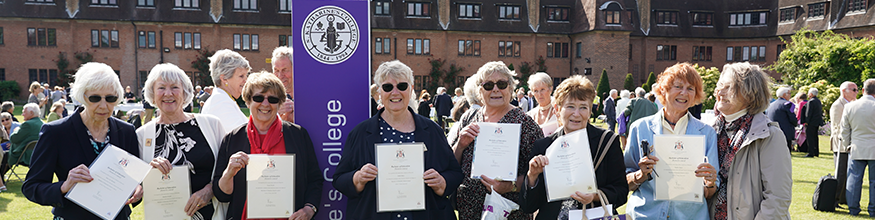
(165, 195)
(679, 155)
(116, 174)
(570, 167)
(496, 151)
(400, 186)
(270, 186)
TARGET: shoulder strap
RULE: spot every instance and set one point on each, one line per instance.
(604, 151)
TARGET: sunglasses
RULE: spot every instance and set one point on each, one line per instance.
(97, 98)
(271, 99)
(854, 90)
(401, 87)
(502, 84)
(4, 119)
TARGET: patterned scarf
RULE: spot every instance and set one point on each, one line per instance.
(729, 139)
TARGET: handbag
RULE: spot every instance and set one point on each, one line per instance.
(496, 207)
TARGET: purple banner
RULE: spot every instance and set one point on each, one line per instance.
(332, 74)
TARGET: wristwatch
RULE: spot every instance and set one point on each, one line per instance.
(311, 206)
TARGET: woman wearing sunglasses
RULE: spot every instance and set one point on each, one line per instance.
(179, 138)
(396, 122)
(265, 133)
(228, 70)
(67, 146)
(495, 83)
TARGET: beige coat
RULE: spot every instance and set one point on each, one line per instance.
(858, 128)
(835, 136)
(760, 177)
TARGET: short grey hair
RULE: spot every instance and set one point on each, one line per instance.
(397, 70)
(471, 91)
(625, 94)
(869, 86)
(171, 74)
(812, 92)
(612, 92)
(782, 91)
(4, 115)
(845, 85)
(640, 92)
(750, 84)
(95, 76)
(6, 106)
(197, 87)
(541, 77)
(495, 67)
(282, 52)
(441, 90)
(32, 108)
(223, 64)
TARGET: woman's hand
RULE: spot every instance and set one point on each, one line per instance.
(467, 135)
(583, 198)
(78, 174)
(199, 199)
(536, 167)
(645, 164)
(435, 181)
(137, 196)
(501, 187)
(237, 161)
(708, 172)
(161, 164)
(367, 173)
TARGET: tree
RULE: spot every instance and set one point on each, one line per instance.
(709, 82)
(541, 63)
(650, 81)
(523, 74)
(812, 56)
(436, 74)
(202, 63)
(63, 73)
(452, 73)
(629, 83)
(603, 88)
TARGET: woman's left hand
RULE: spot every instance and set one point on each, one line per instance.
(138, 194)
(435, 181)
(583, 198)
(708, 172)
(199, 199)
(501, 187)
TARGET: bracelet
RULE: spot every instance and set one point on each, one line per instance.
(311, 206)
(710, 187)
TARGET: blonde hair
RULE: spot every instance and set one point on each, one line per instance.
(750, 84)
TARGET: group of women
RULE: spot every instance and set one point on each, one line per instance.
(738, 184)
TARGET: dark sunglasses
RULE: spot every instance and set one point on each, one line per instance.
(502, 84)
(854, 89)
(401, 87)
(97, 98)
(271, 99)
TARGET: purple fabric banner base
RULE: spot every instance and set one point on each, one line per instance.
(332, 74)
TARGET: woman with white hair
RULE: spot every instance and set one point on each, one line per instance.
(229, 70)
(495, 85)
(541, 85)
(179, 138)
(67, 145)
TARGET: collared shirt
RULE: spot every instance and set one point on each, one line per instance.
(680, 127)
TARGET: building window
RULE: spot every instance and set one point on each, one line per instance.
(186, 40)
(557, 50)
(151, 36)
(857, 6)
(1, 35)
(469, 10)
(667, 17)
(41, 1)
(469, 48)
(387, 45)
(418, 9)
(701, 53)
(285, 40)
(145, 3)
(378, 45)
(701, 18)
(285, 5)
(143, 76)
(612, 17)
(49, 76)
(746, 53)
(417, 46)
(2, 74)
(193, 4)
(781, 48)
(579, 48)
(557, 13)
(382, 8)
(177, 40)
(751, 18)
(511, 12)
(197, 41)
(817, 10)
(666, 52)
(244, 4)
(788, 14)
(509, 49)
(104, 2)
(587, 71)
(39, 37)
(141, 39)
(246, 42)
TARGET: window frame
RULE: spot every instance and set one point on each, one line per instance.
(509, 12)
(667, 17)
(141, 39)
(857, 6)
(285, 6)
(150, 36)
(707, 18)
(787, 15)
(476, 11)
(382, 8)
(665, 52)
(145, 3)
(557, 11)
(187, 4)
(613, 17)
(1, 35)
(245, 5)
(755, 18)
(817, 10)
(419, 9)
(378, 45)
(177, 40)
(196, 40)
(104, 3)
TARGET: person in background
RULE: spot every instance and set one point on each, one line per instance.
(523, 101)
(857, 132)
(472, 93)
(47, 95)
(442, 106)
(755, 171)
(36, 96)
(610, 110)
(639, 107)
(201, 99)
(129, 96)
(8, 107)
(375, 99)
(779, 111)
(840, 151)
(55, 112)
(70, 144)
(424, 102)
(812, 117)
(57, 94)
(26, 132)
(281, 62)
(197, 92)
(801, 99)
(542, 86)
(459, 95)
(229, 71)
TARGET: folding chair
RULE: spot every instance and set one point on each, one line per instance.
(27, 147)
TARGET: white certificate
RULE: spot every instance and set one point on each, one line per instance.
(270, 186)
(679, 155)
(116, 175)
(496, 151)
(165, 195)
(570, 167)
(400, 186)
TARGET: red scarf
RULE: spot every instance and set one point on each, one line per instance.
(271, 143)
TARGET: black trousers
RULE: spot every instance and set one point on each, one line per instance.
(841, 164)
(812, 140)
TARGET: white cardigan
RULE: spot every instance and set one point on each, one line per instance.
(222, 106)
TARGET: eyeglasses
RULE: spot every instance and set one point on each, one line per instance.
(271, 99)
(854, 89)
(97, 98)
(5, 119)
(387, 87)
(502, 84)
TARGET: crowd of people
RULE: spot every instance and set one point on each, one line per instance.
(746, 173)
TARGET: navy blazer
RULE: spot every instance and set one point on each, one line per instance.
(63, 145)
(812, 113)
(610, 110)
(443, 104)
(359, 150)
(308, 177)
(780, 111)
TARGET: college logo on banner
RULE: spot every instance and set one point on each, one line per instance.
(331, 34)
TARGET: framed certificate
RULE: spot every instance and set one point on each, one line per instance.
(570, 167)
(270, 186)
(165, 195)
(400, 186)
(116, 175)
(679, 155)
(496, 151)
